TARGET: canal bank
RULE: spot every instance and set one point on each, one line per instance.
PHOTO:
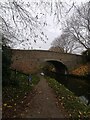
(79, 85)
(74, 106)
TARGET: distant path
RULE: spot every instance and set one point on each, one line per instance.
(44, 103)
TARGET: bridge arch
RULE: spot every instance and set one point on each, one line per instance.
(59, 67)
(29, 61)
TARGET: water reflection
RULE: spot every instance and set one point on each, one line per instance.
(83, 98)
(80, 86)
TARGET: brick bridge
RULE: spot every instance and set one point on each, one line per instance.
(30, 61)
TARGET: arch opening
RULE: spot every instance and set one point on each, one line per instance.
(55, 66)
(56, 69)
(59, 67)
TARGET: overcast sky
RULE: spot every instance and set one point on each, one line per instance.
(52, 30)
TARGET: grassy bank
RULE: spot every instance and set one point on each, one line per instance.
(72, 104)
(15, 93)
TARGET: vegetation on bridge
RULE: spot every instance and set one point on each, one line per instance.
(82, 70)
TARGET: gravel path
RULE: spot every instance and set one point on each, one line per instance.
(44, 104)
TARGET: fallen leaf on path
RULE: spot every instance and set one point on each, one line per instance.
(25, 110)
(22, 114)
(62, 97)
(39, 112)
(80, 112)
(59, 99)
(14, 109)
(61, 103)
(84, 112)
(24, 96)
(21, 101)
(70, 115)
(9, 106)
(15, 104)
(79, 116)
(40, 92)
(47, 98)
(5, 104)
(56, 103)
(28, 103)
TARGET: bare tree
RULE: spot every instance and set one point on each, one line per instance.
(24, 21)
(21, 23)
(65, 41)
(76, 30)
(56, 49)
(78, 25)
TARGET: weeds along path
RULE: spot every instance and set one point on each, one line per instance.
(44, 103)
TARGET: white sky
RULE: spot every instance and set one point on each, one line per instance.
(52, 30)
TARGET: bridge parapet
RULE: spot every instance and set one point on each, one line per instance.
(30, 60)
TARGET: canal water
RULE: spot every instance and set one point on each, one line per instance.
(80, 86)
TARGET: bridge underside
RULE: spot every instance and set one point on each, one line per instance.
(56, 66)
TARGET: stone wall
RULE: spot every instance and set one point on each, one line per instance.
(30, 60)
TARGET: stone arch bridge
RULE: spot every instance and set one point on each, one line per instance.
(30, 61)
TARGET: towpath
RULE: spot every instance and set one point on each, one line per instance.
(44, 104)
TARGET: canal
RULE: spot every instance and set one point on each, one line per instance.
(79, 85)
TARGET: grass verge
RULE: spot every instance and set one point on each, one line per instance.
(15, 94)
(72, 104)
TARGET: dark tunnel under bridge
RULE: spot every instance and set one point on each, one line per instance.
(59, 67)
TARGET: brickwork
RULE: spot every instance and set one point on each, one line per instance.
(30, 60)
